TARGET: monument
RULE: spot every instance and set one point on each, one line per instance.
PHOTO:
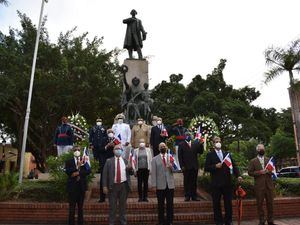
(136, 102)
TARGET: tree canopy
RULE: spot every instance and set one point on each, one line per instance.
(75, 74)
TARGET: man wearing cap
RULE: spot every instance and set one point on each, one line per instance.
(77, 172)
(116, 183)
(97, 140)
(122, 130)
(158, 134)
(64, 137)
(139, 131)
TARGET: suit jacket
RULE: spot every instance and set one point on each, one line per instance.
(261, 181)
(161, 176)
(72, 183)
(109, 174)
(155, 138)
(138, 133)
(188, 156)
(219, 177)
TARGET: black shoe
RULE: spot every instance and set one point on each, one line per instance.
(195, 199)
(140, 200)
(261, 223)
(145, 200)
(187, 199)
(101, 200)
(271, 223)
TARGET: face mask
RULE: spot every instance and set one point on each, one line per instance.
(111, 135)
(140, 122)
(159, 122)
(218, 145)
(154, 123)
(118, 152)
(98, 123)
(261, 152)
(120, 121)
(163, 150)
(76, 153)
(142, 145)
(188, 138)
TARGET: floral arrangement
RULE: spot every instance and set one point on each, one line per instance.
(205, 125)
(79, 126)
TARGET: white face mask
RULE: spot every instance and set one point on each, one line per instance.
(111, 135)
(140, 122)
(120, 121)
(76, 153)
(99, 123)
(154, 123)
(142, 145)
(159, 122)
(218, 145)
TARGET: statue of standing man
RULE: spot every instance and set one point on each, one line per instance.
(135, 35)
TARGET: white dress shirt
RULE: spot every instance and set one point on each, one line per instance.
(220, 154)
(122, 167)
(262, 161)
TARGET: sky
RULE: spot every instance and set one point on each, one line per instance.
(188, 37)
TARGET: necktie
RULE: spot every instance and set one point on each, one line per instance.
(164, 161)
(118, 171)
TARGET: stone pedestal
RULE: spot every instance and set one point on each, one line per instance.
(136, 68)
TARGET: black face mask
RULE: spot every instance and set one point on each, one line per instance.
(261, 152)
(163, 150)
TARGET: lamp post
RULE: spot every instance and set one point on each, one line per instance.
(30, 93)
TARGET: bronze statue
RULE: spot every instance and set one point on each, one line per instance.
(136, 102)
(135, 35)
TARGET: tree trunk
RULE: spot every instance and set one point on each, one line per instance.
(291, 75)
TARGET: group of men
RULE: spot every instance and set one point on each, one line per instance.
(113, 149)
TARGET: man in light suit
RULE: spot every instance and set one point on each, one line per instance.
(263, 185)
(122, 130)
(116, 183)
(162, 180)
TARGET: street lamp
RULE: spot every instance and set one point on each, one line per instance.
(3, 146)
(30, 93)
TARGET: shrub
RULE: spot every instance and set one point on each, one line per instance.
(8, 185)
(283, 186)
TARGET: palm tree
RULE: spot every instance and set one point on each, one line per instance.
(281, 60)
(5, 2)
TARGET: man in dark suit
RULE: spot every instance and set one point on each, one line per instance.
(77, 171)
(221, 182)
(158, 134)
(263, 184)
(116, 183)
(188, 159)
(162, 179)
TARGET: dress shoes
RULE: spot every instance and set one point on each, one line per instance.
(187, 199)
(101, 200)
(140, 200)
(271, 223)
(195, 199)
(145, 200)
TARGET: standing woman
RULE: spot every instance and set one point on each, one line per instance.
(143, 166)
